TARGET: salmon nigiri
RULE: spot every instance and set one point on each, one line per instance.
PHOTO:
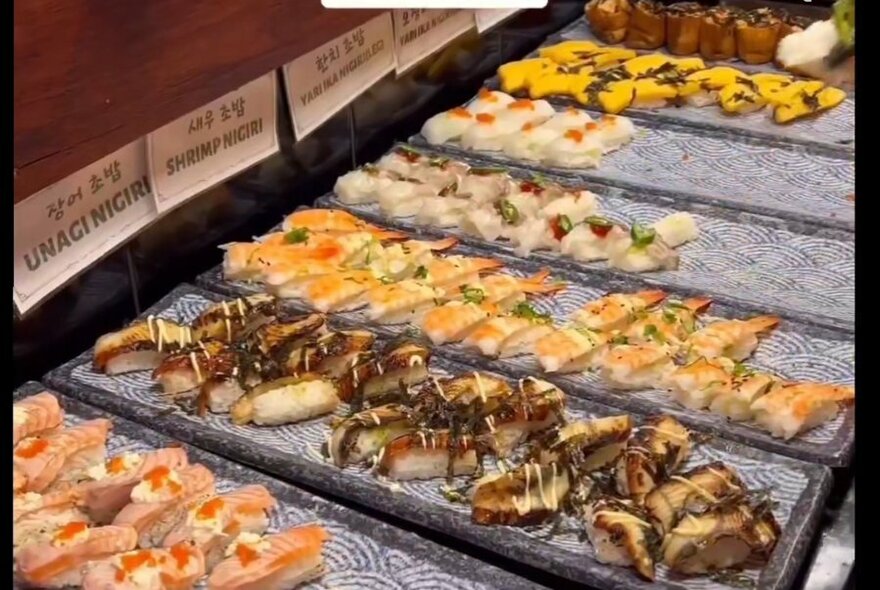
(37, 517)
(35, 415)
(176, 568)
(61, 561)
(110, 490)
(62, 457)
(213, 524)
(161, 500)
(273, 562)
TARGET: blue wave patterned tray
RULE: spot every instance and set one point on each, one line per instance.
(768, 265)
(832, 132)
(795, 351)
(361, 553)
(728, 170)
(293, 452)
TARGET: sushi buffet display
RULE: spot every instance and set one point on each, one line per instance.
(534, 214)
(612, 80)
(623, 482)
(716, 33)
(139, 520)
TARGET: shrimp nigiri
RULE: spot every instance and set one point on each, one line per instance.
(790, 410)
(338, 292)
(35, 415)
(670, 325)
(273, 562)
(746, 388)
(569, 350)
(617, 310)
(733, 339)
(455, 270)
(507, 290)
(62, 457)
(400, 302)
(512, 334)
(636, 366)
(335, 221)
(696, 384)
(453, 321)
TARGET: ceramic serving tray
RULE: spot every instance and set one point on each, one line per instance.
(795, 351)
(707, 166)
(293, 452)
(793, 269)
(832, 132)
(361, 552)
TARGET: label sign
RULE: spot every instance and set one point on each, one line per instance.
(219, 140)
(324, 81)
(69, 225)
(418, 33)
(488, 18)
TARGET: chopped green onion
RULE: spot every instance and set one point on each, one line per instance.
(472, 294)
(526, 310)
(297, 235)
(509, 212)
(421, 273)
(642, 236)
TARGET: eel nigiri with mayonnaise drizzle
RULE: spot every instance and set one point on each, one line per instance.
(585, 445)
(140, 346)
(287, 400)
(660, 446)
(621, 534)
(230, 320)
(403, 363)
(536, 406)
(426, 454)
(362, 435)
(524, 496)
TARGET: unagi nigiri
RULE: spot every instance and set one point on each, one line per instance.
(112, 483)
(35, 415)
(585, 445)
(524, 496)
(274, 562)
(362, 435)
(428, 454)
(536, 406)
(160, 500)
(287, 400)
(176, 568)
(63, 457)
(659, 448)
(212, 524)
(616, 310)
(363, 184)
(229, 320)
(189, 368)
(61, 562)
(140, 346)
(621, 534)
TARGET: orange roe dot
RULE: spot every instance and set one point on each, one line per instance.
(522, 103)
(245, 554)
(29, 450)
(591, 126)
(460, 112)
(71, 530)
(574, 135)
(485, 118)
(210, 509)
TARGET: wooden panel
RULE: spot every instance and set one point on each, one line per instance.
(93, 75)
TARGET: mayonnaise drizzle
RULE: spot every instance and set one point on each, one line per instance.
(695, 487)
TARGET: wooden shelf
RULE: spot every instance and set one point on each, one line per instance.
(93, 76)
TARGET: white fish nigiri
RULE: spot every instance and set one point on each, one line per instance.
(489, 101)
(403, 198)
(489, 133)
(485, 185)
(448, 125)
(575, 149)
(531, 142)
(614, 131)
(592, 239)
(575, 205)
(361, 185)
(526, 111)
(568, 119)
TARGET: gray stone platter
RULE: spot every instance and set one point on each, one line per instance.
(362, 553)
(794, 269)
(795, 350)
(716, 167)
(293, 452)
(832, 132)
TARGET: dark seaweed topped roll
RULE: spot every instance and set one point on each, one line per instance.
(683, 21)
(647, 25)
